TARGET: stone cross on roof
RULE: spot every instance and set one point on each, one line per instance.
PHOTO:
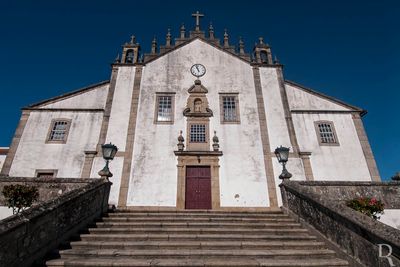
(198, 16)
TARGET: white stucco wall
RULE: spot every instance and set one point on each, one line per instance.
(2, 159)
(33, 153)
(115, 166)
(276, 122)
(391, 217)
(121, 106)
(154, 174)
(94, 99)
(302, 100)
(345, 162)
(5, 212)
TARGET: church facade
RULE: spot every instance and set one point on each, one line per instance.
(196, 122)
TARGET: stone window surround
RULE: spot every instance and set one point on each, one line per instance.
(46, 171)
(53, 121)
(197, 146)
(237, 107)
(159, 94)
(316, 123)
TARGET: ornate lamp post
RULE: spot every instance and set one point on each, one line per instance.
(282, 154)
(109, 151)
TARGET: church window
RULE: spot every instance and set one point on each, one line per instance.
(198, 133)
(129, 56)
(58, 132)
(197, 105)
(229, 108)
(326, 133)
(164, 108)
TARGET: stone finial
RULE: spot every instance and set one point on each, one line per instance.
(168, 38)
(226, 39)
(183, 31)
(154, 46)
(181, 141)
(117, 59)
(133, 40)
(215, 142)
(241, 46)
(276, 60)
(261, 40)
(211, 31)
(396, 176)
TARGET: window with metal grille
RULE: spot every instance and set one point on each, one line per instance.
(230, 109)
(326, 133)
(164, 108)
(59, 131)
(198, 133)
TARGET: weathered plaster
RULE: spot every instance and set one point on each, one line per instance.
(302, 100)
(68, 158)
(242, 170)
(94, 98)
(119, 118)
(341, 163)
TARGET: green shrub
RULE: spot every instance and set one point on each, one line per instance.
(19, 197)
(368, 206)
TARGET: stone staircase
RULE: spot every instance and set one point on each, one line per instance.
(197, 238)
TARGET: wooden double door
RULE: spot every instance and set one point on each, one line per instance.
(198, 187)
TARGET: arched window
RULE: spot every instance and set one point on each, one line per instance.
(129, 56)
(264, 57)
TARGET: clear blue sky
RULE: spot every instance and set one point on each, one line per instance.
(346, 49)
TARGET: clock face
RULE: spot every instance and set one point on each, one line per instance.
(198, 70)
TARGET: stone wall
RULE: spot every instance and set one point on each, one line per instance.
(321, 206)
(26, 237)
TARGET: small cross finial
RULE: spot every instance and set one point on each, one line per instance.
(168, 39)
(241, 46)
(226, 40)
(197, 15)
(211, 31)
(183, 31)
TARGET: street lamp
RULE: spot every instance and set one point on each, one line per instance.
(282, 154)
(109, 151)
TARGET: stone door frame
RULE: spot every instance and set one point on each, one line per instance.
(198, 160)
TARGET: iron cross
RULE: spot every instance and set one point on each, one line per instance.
(198, 16)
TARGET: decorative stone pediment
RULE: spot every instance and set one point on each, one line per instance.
(197, 103)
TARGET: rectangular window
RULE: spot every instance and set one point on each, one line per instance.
(164, 108)
(58, 132)
(229, 104)
(46, 173)
(326, 133)
(198, 133)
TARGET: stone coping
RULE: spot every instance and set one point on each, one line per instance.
(41, 208)
(366, 227)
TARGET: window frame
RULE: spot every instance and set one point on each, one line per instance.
(42, 171)
(317, 131)
(157, 101)
(222, 110)
(52, 124)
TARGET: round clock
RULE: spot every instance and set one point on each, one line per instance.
(198, 70)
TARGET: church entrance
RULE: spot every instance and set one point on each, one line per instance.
(198, 187)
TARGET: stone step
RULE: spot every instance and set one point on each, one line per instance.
(95, 262)
(197, 245)
(197, 230)
(194, 211)
(198, 224)
(196, 219)
(201, 215)
(193, 237)
(199, 253)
